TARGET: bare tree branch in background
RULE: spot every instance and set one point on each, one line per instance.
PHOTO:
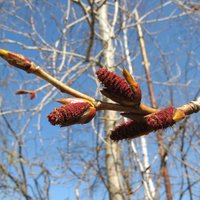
(68, 42)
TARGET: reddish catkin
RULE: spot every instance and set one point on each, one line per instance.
(152, 122)
(114, 84)
(68, 114)
(161, 119)
(128, 130)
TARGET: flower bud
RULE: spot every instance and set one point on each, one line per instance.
(16, 60)
(79, 112)
(31, 93)
(129, 130)
(152, 122)
(117, 88)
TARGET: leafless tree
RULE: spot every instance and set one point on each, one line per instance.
(156, 41)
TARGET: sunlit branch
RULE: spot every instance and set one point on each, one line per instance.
(25, 64)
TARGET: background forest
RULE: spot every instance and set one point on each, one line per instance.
(157, 41)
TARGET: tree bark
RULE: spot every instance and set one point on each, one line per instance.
(113, 162)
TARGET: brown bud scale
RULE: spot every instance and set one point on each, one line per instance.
(19, 61)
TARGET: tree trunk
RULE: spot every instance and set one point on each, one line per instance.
(113, 166)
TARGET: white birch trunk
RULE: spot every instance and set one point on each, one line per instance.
(113, 168)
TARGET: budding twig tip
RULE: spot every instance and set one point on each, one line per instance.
(3, 52)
